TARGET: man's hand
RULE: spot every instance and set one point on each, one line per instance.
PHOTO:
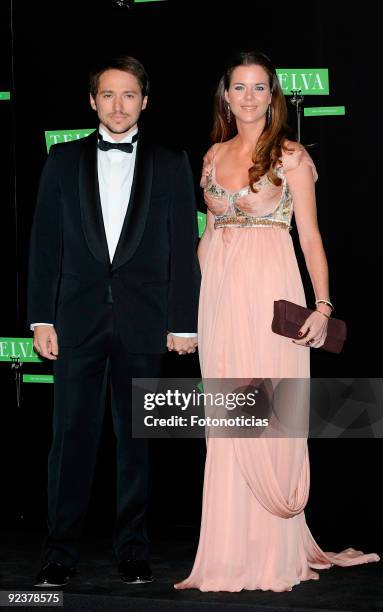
(45, 341)
(181, 345)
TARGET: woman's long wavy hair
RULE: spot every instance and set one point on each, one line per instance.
(268, 149)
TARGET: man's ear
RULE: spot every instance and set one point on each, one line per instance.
(92, 102)
(144, 102)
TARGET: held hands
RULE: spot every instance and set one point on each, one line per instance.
(45, 341)
(181, 345)
(314, 330)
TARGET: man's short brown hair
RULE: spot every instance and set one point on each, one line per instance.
(126, 63)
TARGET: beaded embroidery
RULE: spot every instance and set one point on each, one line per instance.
(234, 217)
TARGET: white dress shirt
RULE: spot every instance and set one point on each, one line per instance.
(115, 178)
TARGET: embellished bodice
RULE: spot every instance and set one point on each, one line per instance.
(270, 206)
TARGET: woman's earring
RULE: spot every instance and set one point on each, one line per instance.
(228, 113)
(269, 114)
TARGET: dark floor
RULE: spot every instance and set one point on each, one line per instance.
(98, 587)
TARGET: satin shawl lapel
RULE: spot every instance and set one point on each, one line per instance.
(136, 214)
(91, 212)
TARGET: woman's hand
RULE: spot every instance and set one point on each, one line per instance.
(313, 331)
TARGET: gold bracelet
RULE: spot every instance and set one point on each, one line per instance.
(323, 313)
(324, 302)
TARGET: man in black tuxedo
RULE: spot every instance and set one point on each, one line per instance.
(113, 281)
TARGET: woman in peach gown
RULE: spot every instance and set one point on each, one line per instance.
(253, 531)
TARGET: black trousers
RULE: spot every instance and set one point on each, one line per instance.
(80, 385)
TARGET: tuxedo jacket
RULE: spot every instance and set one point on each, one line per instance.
(152, 283)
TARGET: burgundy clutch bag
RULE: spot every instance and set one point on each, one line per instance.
(289, 318)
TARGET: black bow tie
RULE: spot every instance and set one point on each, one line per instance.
(127, 147)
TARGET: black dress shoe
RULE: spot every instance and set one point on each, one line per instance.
(135, 571)
(54, 575)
